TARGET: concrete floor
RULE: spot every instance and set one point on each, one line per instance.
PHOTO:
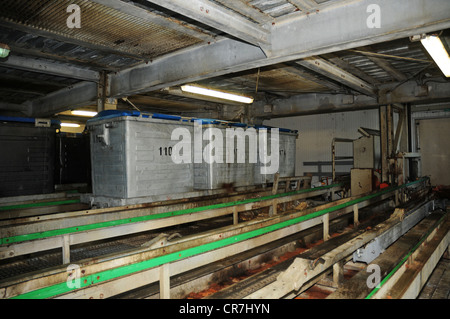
(438, 285)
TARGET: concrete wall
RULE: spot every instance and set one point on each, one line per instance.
(435, 149)
(317, 131)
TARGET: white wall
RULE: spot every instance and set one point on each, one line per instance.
(317, 131)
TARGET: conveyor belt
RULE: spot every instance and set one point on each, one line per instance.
(43, 260)
(199, 248)
(253, 283)
(407, 244)
(30, 235)
(130, 220)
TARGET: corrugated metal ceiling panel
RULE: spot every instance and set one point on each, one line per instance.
(100, 25)
(41, 47)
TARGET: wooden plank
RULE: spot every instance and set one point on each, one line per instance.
(338, 273)
(164, 282)
(66, 248)
(326, 227)
(356, 215)
(36, 211)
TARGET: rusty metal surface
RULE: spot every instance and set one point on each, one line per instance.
(42, 261)
(101, 25)
(23, 265)
(277, 79)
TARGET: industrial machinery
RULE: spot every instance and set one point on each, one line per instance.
(282, 241)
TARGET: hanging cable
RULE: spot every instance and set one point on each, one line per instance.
(257, 81)
(127, 100)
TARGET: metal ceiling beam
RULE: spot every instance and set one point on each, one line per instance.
(193, 64)
(219, 18)
(23, 108)
(78, 95)
(49, 67)
(161, 104)
(335, 73)
(411, 92)
(67, 39)
(347, 24)
(135, 11)
(305, 104)
(75, 61)
(350, 68)
(313, 103)
(337, 28)
(314, 78)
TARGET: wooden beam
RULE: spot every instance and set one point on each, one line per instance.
(164, 281)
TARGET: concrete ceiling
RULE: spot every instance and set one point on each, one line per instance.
(293, 56)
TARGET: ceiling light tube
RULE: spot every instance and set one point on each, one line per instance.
(70, 125)
(438, 52)
(217, 94)
(84, 113)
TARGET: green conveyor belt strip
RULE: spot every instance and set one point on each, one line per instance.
(23, 206)
(423, 238)
(115, 273)
(74, 229)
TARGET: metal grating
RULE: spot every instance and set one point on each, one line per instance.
(100, 25)
(53, 259)
(368, 67)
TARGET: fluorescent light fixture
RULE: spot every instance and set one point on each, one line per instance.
(84, 113)
(437, 51)
(70, 125)
(217, 94)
